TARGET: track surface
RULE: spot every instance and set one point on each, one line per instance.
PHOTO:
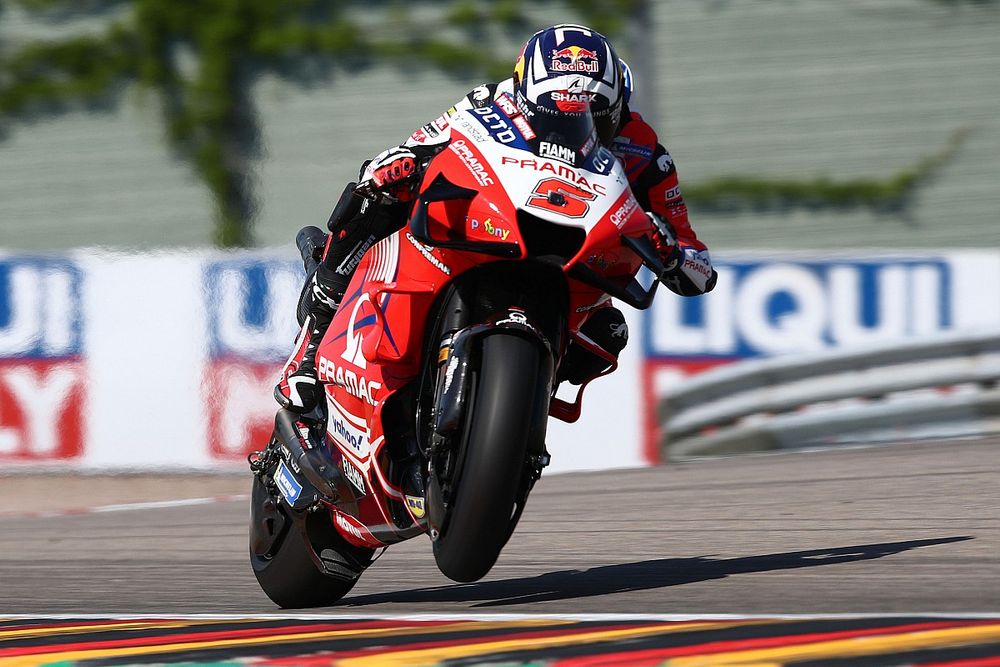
(907, 528)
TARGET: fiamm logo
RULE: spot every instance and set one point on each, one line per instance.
(42, 383)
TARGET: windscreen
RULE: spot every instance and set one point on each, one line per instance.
(565, 136)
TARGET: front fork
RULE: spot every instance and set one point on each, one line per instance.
(456, 357)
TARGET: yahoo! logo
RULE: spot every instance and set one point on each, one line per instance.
(348, 435)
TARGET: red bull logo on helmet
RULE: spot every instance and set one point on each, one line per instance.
(574, 59)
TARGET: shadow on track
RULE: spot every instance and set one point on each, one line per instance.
(640, 576)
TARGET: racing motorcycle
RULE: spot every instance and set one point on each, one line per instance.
(440, 367)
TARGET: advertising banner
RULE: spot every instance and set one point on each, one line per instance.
(42, 383)
(124, 361)
(769, 306)
(250, 305)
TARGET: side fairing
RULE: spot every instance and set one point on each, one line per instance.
(355, 390)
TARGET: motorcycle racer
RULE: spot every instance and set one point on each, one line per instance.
(562, 72)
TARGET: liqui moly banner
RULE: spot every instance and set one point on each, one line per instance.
(121, 361)
(250, 304)
(42, 379)
(767, 306)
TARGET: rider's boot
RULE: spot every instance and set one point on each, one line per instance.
(607, 328)
(298, 388)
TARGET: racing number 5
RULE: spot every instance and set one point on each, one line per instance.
(562, 197)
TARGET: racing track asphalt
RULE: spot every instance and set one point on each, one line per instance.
(904, 528)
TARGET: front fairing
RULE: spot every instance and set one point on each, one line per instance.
(515, 188)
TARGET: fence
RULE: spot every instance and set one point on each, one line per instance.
(947, 385)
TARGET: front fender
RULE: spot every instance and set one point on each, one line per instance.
(456, 354)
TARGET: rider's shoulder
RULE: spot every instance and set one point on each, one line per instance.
(635, 144)
(636, 130)
(484, 94)
(481, 96)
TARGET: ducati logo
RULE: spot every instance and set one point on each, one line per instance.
(352, 352)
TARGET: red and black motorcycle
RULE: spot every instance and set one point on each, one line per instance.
(440, 367)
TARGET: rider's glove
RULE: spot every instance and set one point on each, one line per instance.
(665, 241)
(686, 271)
(391, 173)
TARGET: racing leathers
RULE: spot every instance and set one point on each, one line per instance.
(393, 174)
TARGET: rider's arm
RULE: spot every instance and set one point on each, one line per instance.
(394, 170)
(653, 176)
(435, 135)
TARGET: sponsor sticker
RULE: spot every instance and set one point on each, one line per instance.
(289, 487)
(521, 123)
(348, 435)
(488, 227)
(496, 124)
(481, 93)
(621, 216)
(559, 170)
(347, 526)
(557, 152)
(428, 255)
(440, 123)
(602, 160)
(574, 59)
(507, 106)
(572, 102)
(623, 148)
(416, 506)
(665, 162)
(472, 163)
(353, 476)
(356, 385)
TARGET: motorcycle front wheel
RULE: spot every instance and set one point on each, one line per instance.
(493, 460)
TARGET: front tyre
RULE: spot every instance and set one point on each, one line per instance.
(481, 507)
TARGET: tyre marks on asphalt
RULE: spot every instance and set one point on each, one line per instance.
(514, 640)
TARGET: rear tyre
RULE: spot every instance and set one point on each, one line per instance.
(287, 573)
(480, 509)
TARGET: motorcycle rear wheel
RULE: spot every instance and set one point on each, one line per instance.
(479, 514)
(290, 577)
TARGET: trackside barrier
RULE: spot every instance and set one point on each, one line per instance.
(90, 383)
(901, 389)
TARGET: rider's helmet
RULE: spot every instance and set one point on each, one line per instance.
(562, 73)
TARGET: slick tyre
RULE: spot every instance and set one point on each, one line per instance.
(479, 514)
(289, 576)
